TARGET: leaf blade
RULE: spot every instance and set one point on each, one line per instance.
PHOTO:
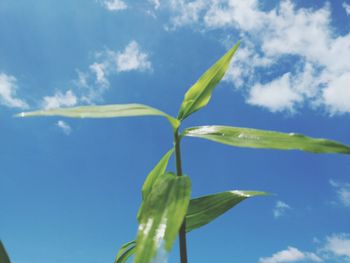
(4, 258)
(199, 94)
(158, 170)
(103, 111)
(162, 215)
(152, 177)
(203, 210)
(254, 138)
(125, 252)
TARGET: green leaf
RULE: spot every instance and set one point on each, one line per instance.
(205, 209)
(158, 170)
(126, 251)
(161, 216)
(252, 138)
(103, 111)
(199, 94)
(4, 258)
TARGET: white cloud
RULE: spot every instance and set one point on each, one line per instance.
(347, 8)
(66, 129)
(187, 12)
(58, 100)
(99, 69)
(132, 58)
(337, 248)
(115, 5)
(337, 94)
(318, 69)
(343, 192)
(277, 95)
(280, 209)
(155, 3)
(8, 87)
(94, 82)
(291, 254)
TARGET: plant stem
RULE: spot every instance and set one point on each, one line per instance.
(182, 232)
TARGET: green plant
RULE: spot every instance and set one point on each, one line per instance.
(167, 210)
(4, 258)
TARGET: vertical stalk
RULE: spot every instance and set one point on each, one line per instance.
(182, 232)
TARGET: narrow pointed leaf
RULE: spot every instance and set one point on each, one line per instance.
(199, 94)
(252, 138)
(158, 170)
(162, 215)
(205, 209)
(125, 252)
(4, 258)
(103, 111)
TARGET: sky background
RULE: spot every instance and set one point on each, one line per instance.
(70, 189)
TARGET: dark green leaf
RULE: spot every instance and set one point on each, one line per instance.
(199, 94)
(103, 111)
(244, 137)
(126, 251)
(4, 258)
(161, 216)
(203, 210)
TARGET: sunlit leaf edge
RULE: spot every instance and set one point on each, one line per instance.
(104, 111)
(266, 139)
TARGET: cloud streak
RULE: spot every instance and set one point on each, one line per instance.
(66, 129)
(343, 192)
(114, 5)
(8, 88)
(59, 99)
(291, 254)
(280, 209)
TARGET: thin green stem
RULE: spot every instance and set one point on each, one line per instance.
(182, 232)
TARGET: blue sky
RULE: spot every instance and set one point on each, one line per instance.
(70, 189)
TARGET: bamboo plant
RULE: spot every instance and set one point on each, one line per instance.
(167, 210)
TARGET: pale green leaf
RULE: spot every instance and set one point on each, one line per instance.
(199, 94)
(205, 209)
(125, 252)
(4, 258)
(161, 216)
(252, 138)
(103, 111)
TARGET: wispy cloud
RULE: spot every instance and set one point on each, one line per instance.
(337, 246)
(291, 254)
(343, 192)
(132, 58)
(155, 3)
(333, 248)
(94, 82)
(91, 84)
(280, 209)
(114, 5)
(66, 129)
(8, 87)
(347, 8)
(58, 100)
(318, 69)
